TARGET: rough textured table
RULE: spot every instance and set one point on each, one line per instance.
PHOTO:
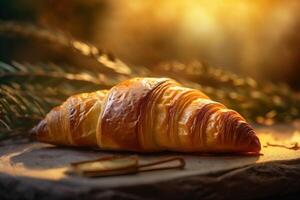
(33, 170)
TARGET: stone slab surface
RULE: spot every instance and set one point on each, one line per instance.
(40, 169)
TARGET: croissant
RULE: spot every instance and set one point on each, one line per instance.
(148, 115)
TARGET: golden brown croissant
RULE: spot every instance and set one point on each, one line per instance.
(148, 114)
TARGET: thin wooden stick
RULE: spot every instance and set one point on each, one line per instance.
(126, 169)
(144, 167)
(294, 146)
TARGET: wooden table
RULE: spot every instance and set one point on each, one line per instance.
(32, 170)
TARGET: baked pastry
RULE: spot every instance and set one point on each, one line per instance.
(148, 115)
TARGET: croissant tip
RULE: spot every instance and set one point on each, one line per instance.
(255, 145)
(39, 131)
(33, 133)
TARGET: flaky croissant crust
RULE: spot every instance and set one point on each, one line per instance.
(148, 114)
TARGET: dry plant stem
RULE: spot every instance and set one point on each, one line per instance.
(133, 168)
(28, 30)
(294, 146)
(180, 165)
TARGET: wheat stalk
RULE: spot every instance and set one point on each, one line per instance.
(107, 60)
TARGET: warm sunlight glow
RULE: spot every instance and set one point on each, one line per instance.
(249, 35)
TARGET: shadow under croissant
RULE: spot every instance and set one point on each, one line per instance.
(267, 179)
(45, 156)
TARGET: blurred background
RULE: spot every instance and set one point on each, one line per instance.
(243, 53)
(259, 38)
